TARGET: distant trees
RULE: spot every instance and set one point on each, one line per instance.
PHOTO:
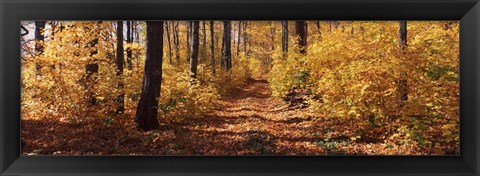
(129, 41)
(147, 109)
(301, 33)
(226, 46)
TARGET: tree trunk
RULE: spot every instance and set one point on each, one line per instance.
(189, 40)
(205, 48)
(402, 86)
(39, 39)
(226, 46)
(194, 50)
(169, 44)
(245, 23)
(129, 41)
(301, 32)
(176, 41)
(285, 37)
(212, 45)
(91, 70)
(121, 97)
(147, 109)
(239, 32)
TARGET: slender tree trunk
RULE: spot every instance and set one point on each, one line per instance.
(91, 70)
(194, 45)
(205, 47)
(226, 46)
(39, 39)
(245, 23)
(285, 37)
(176, 41)
(402, 86)
(212, 45)
(301, 32)
(129, 41)
(239, 32)
(272, 35)
(169, 44)
(147, 109)
(121, 96)
(189, 33)
(317, 23)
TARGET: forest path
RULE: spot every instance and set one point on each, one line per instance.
(251, 121)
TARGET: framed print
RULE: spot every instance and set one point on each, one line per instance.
(212, 87)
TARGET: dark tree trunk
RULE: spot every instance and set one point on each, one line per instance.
(129, 41)
(147, 109)
(169, 44)
(91, 70)
(285, 37)
(194, 50)
(245, 23)
(39, 39)
(121, 96)
(189, 33)
(205, 47)
(226, 46)
(176, 42)
(238, 36)
(402, 86)
(317, 23)
(212, 45)
(301, 32)
(403, 35)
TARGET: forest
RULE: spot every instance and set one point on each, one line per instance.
(240, 88)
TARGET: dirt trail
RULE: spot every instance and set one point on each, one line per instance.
(251, 121)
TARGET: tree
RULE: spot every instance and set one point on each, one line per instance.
(121, 96)
(194, 42)
(147, 109)
(39, 39)
(169, 44)
(91, 69)
(301, 32)
(129, 41)
(176, 41)
(226, 46)
(212, 45)
(238, 36)
(285, 37)
(402, 86)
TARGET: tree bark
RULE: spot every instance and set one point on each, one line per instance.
(212, 45)
(402, 86)
(129, 41)
(121, 97)
(189, 40)
(239, 32)
(176, 41)
(147, 109)
(194, 50)
(285, 37)
(226, 46)
(301, 32)
(169, 44)
(91, 70)
(39, 39)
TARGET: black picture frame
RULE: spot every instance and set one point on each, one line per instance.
(14, 11)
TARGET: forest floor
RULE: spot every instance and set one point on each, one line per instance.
(248, 122)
